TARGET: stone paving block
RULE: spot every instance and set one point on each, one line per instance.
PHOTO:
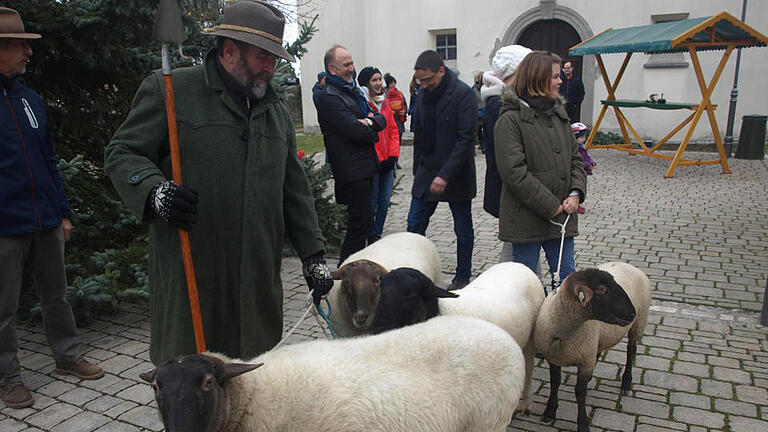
(84, 421)
(118, 426)
(698, 417)
(119, 363)
(79, 396)
(140, 393)
(11, 425)
(102, 403)
(737, 408)
(731, 375)
(719, 389)
(144, 417)
(53, 415)
(690, 400)
(634, 405)
(55, 388)
(756, 395)
(743, 424)
(120, 408)
(613, 420)
(688, 368)
(670, 381)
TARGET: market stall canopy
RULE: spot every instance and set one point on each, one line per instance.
(708, 33)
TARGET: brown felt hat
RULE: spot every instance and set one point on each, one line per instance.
(11, 25)
(254, 23)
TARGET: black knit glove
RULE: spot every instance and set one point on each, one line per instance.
(174, 204)
(387, 165)
(318, 276)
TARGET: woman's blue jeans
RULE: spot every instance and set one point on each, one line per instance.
(418, 221)
(528, 254)
(380, 198)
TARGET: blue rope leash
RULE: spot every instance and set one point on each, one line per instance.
(328, 320)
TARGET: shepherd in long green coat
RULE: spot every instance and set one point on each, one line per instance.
(244, 190)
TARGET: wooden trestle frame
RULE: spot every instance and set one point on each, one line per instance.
(693, 119)
(690, 40)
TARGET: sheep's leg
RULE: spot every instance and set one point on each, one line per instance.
(528, 353)
(554, 386)
(626, 378)
(581, 397)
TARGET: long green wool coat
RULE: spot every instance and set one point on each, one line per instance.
(539, 164)
(252, 192)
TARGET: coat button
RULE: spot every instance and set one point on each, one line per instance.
(244, 136)
(557, 151)
(562, 178)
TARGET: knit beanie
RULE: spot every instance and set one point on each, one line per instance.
(389, 79)
(366, 74)
(507, 59)
(320, 76)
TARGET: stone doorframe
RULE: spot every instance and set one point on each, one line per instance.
(549, 9)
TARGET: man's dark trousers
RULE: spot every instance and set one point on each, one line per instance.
(356, 195)
(44, 251)
(418, 221)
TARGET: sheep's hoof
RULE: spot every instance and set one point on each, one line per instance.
(547, 418)
(626, 386)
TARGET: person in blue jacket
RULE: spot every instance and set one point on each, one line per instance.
(34, 220)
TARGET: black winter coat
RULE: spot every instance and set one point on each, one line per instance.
(453, 156)
(349, 143)
(492, 180)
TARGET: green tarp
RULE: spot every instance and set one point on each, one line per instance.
(656, 38)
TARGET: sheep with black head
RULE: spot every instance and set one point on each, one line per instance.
(591, 312)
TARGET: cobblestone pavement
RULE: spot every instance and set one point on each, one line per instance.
(702, 365)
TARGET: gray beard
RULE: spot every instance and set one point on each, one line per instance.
(259, 89)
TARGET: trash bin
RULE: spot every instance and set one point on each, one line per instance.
(752, 137)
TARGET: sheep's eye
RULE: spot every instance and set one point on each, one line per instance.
(601, 290)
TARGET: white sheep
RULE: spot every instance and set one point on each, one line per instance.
(507, 294)
(591, 312)
(450, 374)
(355, 294)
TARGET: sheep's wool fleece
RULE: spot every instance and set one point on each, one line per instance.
(507, 59)
(388, 382)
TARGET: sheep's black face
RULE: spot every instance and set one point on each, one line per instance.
(599, 292)
(187, 393)
(407, 297)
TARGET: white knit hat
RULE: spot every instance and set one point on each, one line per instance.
(507, 59)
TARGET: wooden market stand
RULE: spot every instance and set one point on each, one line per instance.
(719, 32)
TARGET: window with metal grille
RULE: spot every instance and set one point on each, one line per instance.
(445, 45)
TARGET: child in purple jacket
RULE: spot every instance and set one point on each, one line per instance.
(580, 131)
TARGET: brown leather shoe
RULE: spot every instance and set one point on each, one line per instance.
(16, 396)
(80, 368)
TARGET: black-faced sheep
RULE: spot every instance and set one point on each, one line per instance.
(456, 374)
(354, 297)
(507, 294)
(591, 312)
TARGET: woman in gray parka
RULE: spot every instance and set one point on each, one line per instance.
(542, 172)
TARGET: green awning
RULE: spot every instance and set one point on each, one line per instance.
(707, 33)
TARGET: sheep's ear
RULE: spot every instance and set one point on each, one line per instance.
(231, 370)
(437, 292)
(148, 376)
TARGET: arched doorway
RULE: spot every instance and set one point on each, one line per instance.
(552, 35)
(550, 11)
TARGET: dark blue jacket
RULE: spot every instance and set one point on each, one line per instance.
(453, 156)
(31, 194)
